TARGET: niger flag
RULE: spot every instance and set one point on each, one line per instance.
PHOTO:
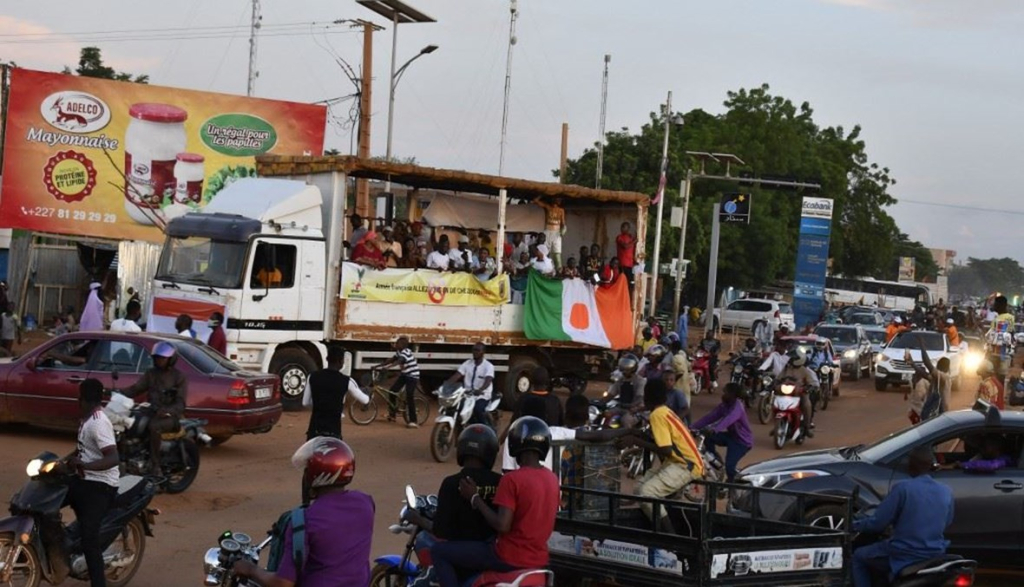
(576, 310)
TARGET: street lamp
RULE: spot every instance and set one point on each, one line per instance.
(397, 12)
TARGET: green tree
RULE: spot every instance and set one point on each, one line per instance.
(775, 138)
(981, 277)
(90, 64)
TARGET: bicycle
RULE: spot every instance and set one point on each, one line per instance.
(365, 414)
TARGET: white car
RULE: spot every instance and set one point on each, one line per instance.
(743, 313)
(891, 367)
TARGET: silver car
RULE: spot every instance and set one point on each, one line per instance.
(852, 346)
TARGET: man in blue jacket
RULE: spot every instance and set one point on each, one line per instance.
(919, 511)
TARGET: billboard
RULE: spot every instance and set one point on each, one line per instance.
(908, 270)
(94, 157)
(811, 260)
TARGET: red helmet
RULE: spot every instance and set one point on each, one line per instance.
(325, 462)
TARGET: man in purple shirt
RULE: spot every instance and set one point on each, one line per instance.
(339, 524)
(990, 459)
(727, 426)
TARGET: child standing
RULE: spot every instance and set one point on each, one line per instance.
(408, 378)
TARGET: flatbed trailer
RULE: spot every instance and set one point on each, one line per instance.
(603, 538)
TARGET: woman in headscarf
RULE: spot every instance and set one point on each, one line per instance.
(92, 315)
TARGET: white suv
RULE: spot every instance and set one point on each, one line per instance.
(743, 313)
(892, 368)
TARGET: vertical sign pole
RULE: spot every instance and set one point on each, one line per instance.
(709, 315)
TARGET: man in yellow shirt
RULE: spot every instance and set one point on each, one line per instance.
(269, 277)
(681, 462)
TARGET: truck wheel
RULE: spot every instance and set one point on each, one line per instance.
(293, 366)
(517, 381)
(880, 384)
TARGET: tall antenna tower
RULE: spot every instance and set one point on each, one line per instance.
(604, 115)
(508, 83)
(254, 27)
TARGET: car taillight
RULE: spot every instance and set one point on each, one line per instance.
(964, 580)
(277, 389)
(778, 314)
(238, 394)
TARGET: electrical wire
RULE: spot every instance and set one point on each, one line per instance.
(960, 207)
(183, 36)
(157, 30)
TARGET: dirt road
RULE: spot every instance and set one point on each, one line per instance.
(245, 484)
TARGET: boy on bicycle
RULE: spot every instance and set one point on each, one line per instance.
(409, 377)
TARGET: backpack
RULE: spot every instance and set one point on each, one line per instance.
(296, 518)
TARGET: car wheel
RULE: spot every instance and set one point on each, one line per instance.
(856, 371)
(832, 517)
(293, 366)
(880, 384)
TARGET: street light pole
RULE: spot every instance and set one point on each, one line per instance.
(391, 92)
(395, 77)
(661, 207)
(685, 191)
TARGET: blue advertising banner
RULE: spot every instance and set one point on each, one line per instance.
(811, 261)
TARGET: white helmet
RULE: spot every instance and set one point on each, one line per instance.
(797, 357)
(897, 320)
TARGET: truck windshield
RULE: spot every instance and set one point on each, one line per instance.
(201, 261)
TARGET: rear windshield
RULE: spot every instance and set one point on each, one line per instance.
(840, 335)
(785, 309)
(205, 360)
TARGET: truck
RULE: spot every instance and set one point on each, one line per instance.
(293, 220)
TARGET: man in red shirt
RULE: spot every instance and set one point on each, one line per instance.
(526, 502)
(218, 340)
(625, 244)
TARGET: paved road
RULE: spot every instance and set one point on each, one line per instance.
(243, 485)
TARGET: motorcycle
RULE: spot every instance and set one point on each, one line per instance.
(765, 398)
(36, 546)
(179, 451)
(574, 383)
(392, 570)
(789, 417)
(744, 374)
(455, 410)
(231, 548)
(701, 369)
(948, 569)
(824, 373)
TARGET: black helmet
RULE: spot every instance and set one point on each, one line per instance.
(529, 433)
(751, 343)
(628, 365)
(479, 441)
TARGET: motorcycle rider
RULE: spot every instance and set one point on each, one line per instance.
(526, 502)
(727, 426)
(455, 518)
(167, 394)
(477, 374)
(919, 510)
(819, 356)
(805, 379)
(764, 334)
(776, 361)
(654, 362)
(96, 463)
(712, 347)
(670, 439)
(339, 523)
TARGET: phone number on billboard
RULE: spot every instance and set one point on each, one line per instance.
(65, 214)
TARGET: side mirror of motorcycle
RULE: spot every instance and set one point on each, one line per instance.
(410, 496)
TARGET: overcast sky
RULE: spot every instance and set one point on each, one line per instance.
(936, 84)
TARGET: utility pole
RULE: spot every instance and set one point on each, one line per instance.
(565, 153)
(254, 26)
(667, 113)
(365, 110)
(684, 190)
(604, 115)
(508, 83)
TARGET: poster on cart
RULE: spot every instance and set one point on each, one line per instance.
(422, 286)
(812, 261)
(94, 157)
(739, 564)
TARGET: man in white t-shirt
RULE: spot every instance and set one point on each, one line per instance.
(477, 375)
(542, 263)
(577, 415)
(462, 258)
(130, 322)
(96, 462)
(438, 258)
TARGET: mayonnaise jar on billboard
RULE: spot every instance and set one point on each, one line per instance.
(155, 136)
(189, 172)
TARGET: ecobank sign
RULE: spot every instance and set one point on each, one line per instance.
(817, 208)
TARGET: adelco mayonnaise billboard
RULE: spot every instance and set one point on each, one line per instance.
(93, 157)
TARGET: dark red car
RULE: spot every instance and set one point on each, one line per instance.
(41, 387)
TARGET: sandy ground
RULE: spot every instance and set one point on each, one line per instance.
(246, 483)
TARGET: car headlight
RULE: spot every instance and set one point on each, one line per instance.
(737, 369)
(773, 480)
(881, 358)
(972, 361)
(850, 354)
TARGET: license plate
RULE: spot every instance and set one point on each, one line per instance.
(907, 376)
(264, 392)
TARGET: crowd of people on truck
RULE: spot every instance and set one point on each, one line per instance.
(413, 245)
